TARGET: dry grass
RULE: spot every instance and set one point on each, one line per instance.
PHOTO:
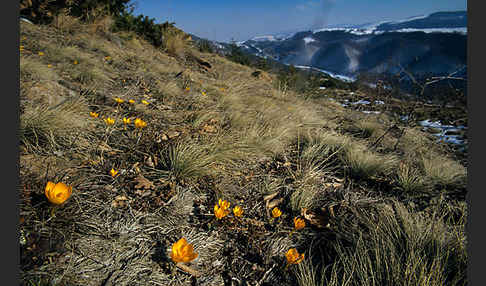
(409, 178)
(175, 43)
(443, 171)
(396, 247)
(369, 128)
(34, 70)
(53, 127)
(363, 164)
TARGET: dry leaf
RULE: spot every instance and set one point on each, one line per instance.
(135, 167)
(320, 220)
(162, 137)
(274, 203)
(173, 134)
(119, 201)
(149, 162)
(271, 196)
(143, 183)
(143, 193)
(334, 185)
(121, 198)
(209, 128)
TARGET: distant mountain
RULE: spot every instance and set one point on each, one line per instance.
(424, 45)
(434, 44)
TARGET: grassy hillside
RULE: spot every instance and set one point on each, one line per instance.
(383, 203)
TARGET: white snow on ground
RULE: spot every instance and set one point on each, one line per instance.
(361, 102)
(264, 38)
(322, 87)
(370, 112)
(308, 40)
(442, 136)
(276, 37)
(373, 85)
(257, 48)
(379, 102)
(356, 31)
(434, 124)
(370, 29)
(409, 19)
(373, 31)
(462, 30)
(337, 76)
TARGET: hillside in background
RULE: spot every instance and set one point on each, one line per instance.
(153, 132)
(424, 46)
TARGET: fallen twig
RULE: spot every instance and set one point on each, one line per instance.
(188, 269)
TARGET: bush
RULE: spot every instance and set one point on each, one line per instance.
(43, 11)
(141, 25)
(205, 46)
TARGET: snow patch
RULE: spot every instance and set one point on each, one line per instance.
(356, 31)
(409, 19)
(331, 74)
(264, 38)
(361, 102)
(461, 30)
(308, 40)
(370, 112)
(443, 135)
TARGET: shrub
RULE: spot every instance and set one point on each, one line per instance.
(205, 46)
(43, 11)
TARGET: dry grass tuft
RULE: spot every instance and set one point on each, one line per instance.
(443, 171)
(52, 127)
(187, 160)
(175, 44)
(364, 164)
(395, 247)
(33, 70)
(409, 178)
(408, 250)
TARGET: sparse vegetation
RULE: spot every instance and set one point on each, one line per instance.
(380, 208)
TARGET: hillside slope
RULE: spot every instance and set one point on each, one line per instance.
(359, 181)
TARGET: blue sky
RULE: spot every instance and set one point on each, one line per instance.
(240, 20)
